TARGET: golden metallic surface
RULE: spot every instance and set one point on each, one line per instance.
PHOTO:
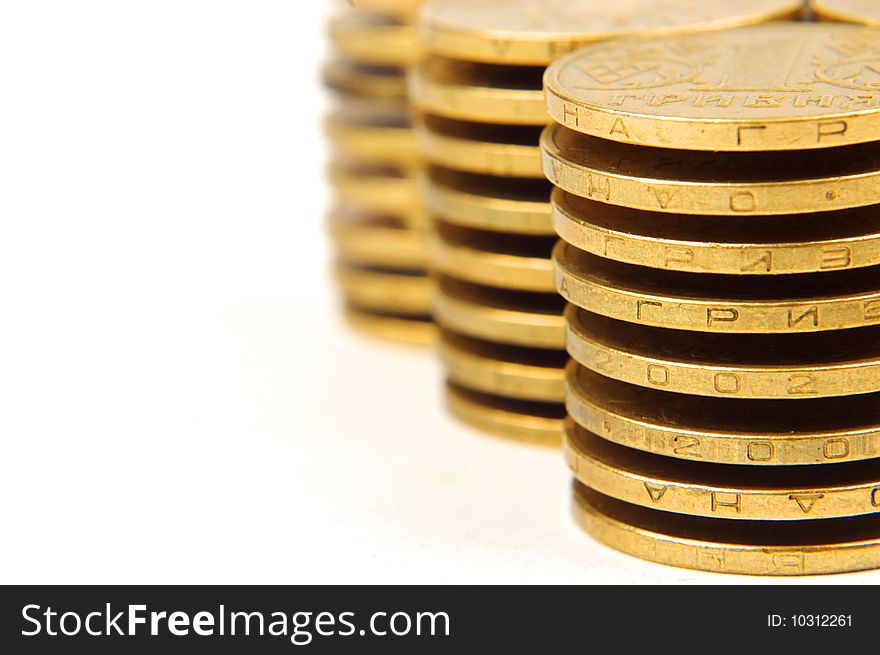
(509, 371)
(718, 490)
(723, 546)
(505, 150)
(784, 86)
(374, 39)
(402, 8)
(803, 243)
(535, 32)
(373, 240)
(723, 184)
(378, 189)
(790, 367)
(864, 12)
(479, 92)
(389, 327)
(512, 317)
(724, 431)
(375, 82)
(529, 422)
(507, 261)
(488, 203)
(790, 304)
(384, 290)
(372, 132)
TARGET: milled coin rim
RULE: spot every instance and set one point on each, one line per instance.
(681, 490)
(717, 556)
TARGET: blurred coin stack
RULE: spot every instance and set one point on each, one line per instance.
(863, 12)
(716, 198)
(376, 218)
(479, 95)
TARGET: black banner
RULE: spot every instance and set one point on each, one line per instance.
(434, 619)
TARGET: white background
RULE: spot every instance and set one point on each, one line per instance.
(179, 401)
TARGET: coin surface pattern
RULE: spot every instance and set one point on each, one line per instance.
(782, 86)
(535, 32)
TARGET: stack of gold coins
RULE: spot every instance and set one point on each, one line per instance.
(375, 223)
(716, 198)
(864, 12)
(482, 111)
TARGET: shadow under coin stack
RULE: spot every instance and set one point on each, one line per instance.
(491, 236)
(724, 325)
(375, 223)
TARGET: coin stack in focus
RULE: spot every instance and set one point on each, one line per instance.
(721, 256)
(376, 221)
(491, 235)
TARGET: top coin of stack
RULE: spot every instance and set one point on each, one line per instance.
(716, 196)
(375, 223)
(482, 112)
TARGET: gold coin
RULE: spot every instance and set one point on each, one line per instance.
(791, 367)
(802, 243)
(753, 432)
(469, 91)
(488, 203)
(530, 422)
(373, 240)
(722, 546)
(412, 330)
(506, 150)
(513, 317)
(810, 302)
(865, 12)
(509, 371)
(784, 86)
(383, 190)
(385, 290)
(535, 32)
(402, 8)
(719, 490)
(376, 82)
(374, 39)
(508, 261)
(373, 133)
(722, 184)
